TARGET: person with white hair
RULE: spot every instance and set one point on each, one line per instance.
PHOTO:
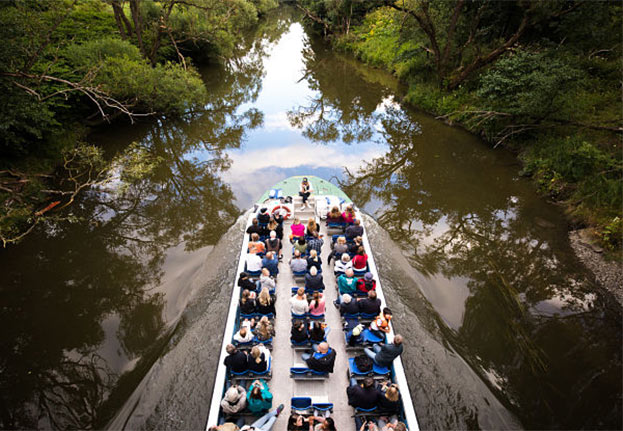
(348, 305)
(274, 244)
(343, 264)
(235, 400)
(313, 280)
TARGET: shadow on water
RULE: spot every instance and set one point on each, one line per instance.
(83, 308)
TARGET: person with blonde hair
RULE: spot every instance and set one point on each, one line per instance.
(265, 304)
(388, 399)
(312, 227)
(258, 359)
(297, 229)
(266, 281)
(298, 303)
(313, 280)
(349, 215)
(255, 245)
(264, 329)
(339, 248)
(314, 260)
(334, 216)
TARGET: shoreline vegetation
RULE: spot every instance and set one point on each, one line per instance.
(70, 65)
(541, 79)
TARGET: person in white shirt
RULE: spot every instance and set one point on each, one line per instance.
(254, 262)
(298, 303)
(343, 264)
(244, 335)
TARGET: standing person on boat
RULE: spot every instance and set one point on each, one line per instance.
(322, 360)
(370, 305)
(305, 191)
(301, 245)
(362, 396)
(314, 261)
(264, 330)
(297, 263)
(349, 215)
(317, 304)
(255, 245)
(244, 334)
(334, 216)
(354, 230)
(346, 283)
(254, 262)
(254, 228)
(360, 261)
(299, 334)
(339, 248)
(380, 325)
(266, 280)
(315, 242)
(298, 303)
(236, 360)
(367, 283)
(313, 279)
(258, 359)
(266, 422)
(383, 355)
(235, 400)
(265, 303)
(297, 229)
(259, 398)
(273, 243)
(271, 263)
(247, 302)
(342, 265)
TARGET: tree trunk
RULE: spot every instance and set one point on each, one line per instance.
(135, 8)
(124, 26)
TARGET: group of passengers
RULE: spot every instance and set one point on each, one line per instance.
(349, 255)
(298, 422)
(262, 303)
(257, 400)
(385, 397)
(239, 361)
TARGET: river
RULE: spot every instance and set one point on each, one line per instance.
(112, 318)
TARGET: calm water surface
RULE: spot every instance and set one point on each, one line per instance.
(114, 319)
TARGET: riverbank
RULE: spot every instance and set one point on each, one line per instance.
(555, 109)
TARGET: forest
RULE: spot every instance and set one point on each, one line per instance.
(542, 79)
(67, 66)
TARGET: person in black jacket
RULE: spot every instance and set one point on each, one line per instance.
(354, 230)
(322, 360)
(247, 302)
(236, 360)
(370, 305)
(254, 228)
(263, 216)
(384, 354)
(257, 360)
(246, 283)
(348, 305)
(365, 396)
(299, 332)
(388, 399)
(313, 279)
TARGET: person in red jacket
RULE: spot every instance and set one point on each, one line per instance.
(367, 283)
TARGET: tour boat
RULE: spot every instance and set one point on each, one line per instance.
(301, 391)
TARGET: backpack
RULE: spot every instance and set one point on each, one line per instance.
(363, 363)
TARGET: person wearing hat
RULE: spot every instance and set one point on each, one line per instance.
(304, 191)
(354, 336)
(263, 216)
(235, 400)
(367, 283)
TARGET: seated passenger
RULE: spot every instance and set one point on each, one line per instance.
(313, 279)
(314, 260)
(348, 305)
(342, 265)
(360, 260)
(236, 360)
(371, 304)
(312, 227)
(254, 228)
(316, 305)
(274, 225)
(363, 396)
(299, 333)
(297, 229)
(355, 336)
(263, 216)
(298, 303)
(388, 397)
(266, 280)
(245, 282)
(354, 230)
(258, 359)
(349, 215)
(235, 400)
(297, 422)
(247, 302)
(264, 329)
(366, 283)
(392, 424)
(383, 355)
(265, 303)
(353, 247)
(255, 245)
(346, 283)
(334, 216)
(340, 247)
(322, 423)
(297, 263)
(273, 244)
(254, 262)
(321, 360)
(300, 245)
(271, 263)
(317, 334)
(315, 242)
(244, 335)
(380, 325)
(259, 398)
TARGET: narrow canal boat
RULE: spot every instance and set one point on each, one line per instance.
(302, 390)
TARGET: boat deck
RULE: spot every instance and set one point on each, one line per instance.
(332, 389)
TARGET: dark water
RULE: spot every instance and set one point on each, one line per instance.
(113, 317)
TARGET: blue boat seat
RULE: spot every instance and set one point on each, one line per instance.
(299, 316)
(323, 407)
(352, 367)
(301, 403)
(299, 273)
(369, 337)
(380, 370)
(362, 410)
(304, 372)
(250, 374)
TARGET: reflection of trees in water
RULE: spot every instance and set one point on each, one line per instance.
(343, 106)
(61, 284)
(444, 205)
